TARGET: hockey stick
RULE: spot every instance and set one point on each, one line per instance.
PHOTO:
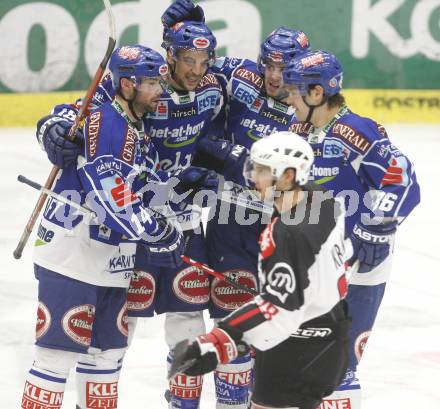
(218, 275)
(83, 109)
(179, 362)
(56, 196)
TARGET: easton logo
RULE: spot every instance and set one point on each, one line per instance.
(201, 42)
(78, 322)
(44, 320)
(93, 132)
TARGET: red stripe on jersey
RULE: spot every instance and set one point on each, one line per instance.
(244, 317)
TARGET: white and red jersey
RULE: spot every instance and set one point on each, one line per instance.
(302, 271)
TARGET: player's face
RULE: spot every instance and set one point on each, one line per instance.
(263, 180)
(290, 95)
(149, 91)
(273, 77)
(189, 68)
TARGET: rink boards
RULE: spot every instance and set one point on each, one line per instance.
(385, 106)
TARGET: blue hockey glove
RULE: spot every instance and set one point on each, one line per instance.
(52, 131)
(371, 244)
(182, 10)
(167, 251)
(195, 179)
(223, 157)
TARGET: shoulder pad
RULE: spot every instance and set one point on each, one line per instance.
(250, 74)
(358, 132)
(209, 80)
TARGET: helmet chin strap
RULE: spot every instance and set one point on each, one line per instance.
(312, 107)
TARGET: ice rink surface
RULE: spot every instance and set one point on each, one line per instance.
(401, 364)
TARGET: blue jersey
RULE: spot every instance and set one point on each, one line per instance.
(180, 120)
(117, 161)
(354, 158)
(249, 113)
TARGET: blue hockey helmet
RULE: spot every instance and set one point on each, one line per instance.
(314, 68)
(281, 46)
(189, 35)
(135, 62)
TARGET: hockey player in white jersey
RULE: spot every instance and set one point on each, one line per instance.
(83, 262)
(298, 323)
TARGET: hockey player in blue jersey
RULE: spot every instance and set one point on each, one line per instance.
(251, 111)
(180, 120)
(83, 261)
(354, 159)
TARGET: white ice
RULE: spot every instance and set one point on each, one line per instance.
(401, 364)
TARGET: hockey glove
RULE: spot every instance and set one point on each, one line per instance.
(220, 346)
(52, 133)
(182, 10)
(371, 244)
(193, 180)
(166, 249)
(223, 157)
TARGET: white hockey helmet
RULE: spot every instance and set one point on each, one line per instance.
(283, 150)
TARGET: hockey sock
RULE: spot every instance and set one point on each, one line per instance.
(46, 380)
(233, 383)
(97, 376)
(43, 389)
(347, 395)
(184, 390)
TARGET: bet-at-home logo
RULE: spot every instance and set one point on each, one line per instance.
(373, 19)
(66, 46)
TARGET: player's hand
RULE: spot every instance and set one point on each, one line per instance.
(52, 133)
(222, 156)
(205, 353)
(182, 10)
(165, 249)
(371, 244)
(195, 179)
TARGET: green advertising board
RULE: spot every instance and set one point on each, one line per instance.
(57, 45)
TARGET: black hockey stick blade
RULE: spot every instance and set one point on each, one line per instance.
(179, 364)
